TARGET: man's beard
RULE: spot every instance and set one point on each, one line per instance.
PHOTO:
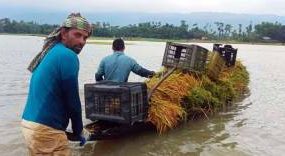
(76, 49)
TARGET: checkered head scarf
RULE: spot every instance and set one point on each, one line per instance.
(74, 20)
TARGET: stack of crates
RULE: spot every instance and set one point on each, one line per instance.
(124, 103)
(227, 52)
(185, 57)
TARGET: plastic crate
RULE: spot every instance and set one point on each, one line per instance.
(186, 57)
(217, 47)
(116, 102)
(227, 52)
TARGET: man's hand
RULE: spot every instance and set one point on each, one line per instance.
(152, 74)
(82, 140)
(85, 136)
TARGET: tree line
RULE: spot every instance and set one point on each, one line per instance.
(216, 31)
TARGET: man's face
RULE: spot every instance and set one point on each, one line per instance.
(74, 39)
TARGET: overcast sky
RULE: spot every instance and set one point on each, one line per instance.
(276, 7)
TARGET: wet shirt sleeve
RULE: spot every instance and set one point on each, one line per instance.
(100, 72)
(135, 66)
(70, 90)
(139, 70)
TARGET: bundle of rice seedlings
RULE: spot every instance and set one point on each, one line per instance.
(238, 76)
(199, 95)
(165, 110)
(164, 114)
(200, 102)
(216, 66)
(222, 89)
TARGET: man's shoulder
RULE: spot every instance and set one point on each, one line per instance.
(128, 57)
(61, 50)
(122, 57)
(108, 57)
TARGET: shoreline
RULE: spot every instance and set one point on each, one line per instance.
(108, 40)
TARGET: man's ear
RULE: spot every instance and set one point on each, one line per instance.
(63, 34)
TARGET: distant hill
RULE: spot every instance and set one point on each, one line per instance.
(125, 18)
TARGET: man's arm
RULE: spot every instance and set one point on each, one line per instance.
(100, 73)
(72, 101)
(69, 85)
(145, 73)
(139, 70)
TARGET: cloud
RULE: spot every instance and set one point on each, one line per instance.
(157, 6)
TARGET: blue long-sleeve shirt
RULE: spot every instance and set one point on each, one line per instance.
(53, 94)
(117, 67)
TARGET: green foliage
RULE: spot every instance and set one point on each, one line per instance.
(201, 98)
(8, 26)
(220, 31)
(267, 29)
(239, 78)
(212, 95)
(223, 90)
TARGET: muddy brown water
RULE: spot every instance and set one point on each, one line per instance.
(254, 126)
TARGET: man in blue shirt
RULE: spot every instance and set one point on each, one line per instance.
(53, 97)
(117, 66)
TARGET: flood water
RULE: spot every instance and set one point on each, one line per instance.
(254, 126)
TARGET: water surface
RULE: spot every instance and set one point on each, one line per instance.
(254, 126)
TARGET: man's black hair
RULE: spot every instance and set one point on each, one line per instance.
(118, 44)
